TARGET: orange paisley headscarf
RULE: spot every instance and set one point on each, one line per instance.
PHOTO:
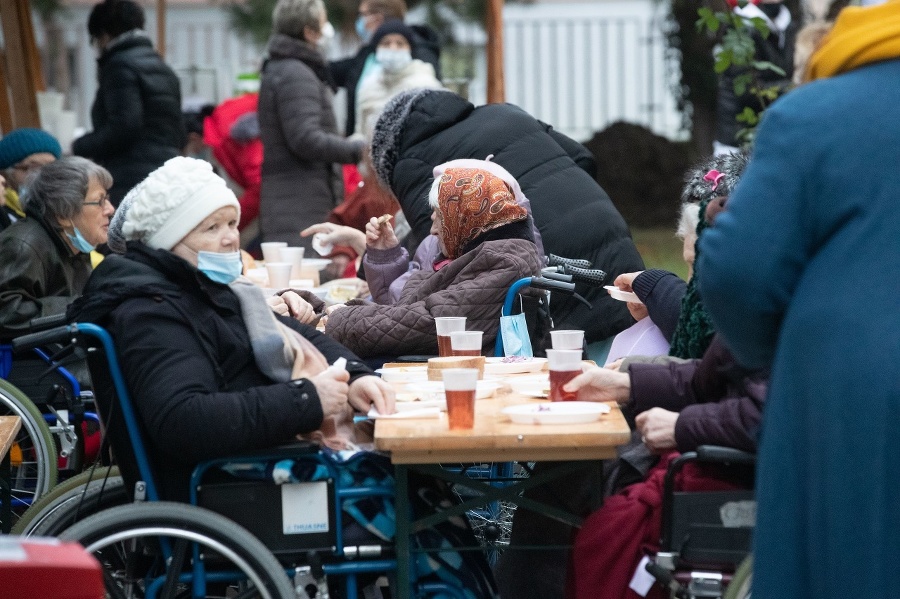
(471, 202)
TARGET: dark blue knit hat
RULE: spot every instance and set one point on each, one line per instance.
(21, 143)
(393, 26)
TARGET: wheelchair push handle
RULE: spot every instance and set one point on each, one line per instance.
(43, 323)
(554, 260)
(32, 340)
(592, 277)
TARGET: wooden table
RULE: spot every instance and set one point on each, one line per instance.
(423, 444)
(9, 428)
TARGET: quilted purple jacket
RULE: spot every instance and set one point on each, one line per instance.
(474, 285)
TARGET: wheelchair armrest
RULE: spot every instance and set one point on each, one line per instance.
(724, 455)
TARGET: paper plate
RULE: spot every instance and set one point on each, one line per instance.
(498, 366)
(560, 412)
(435, 389)
(622, 296)
(531, 386)
(418, 404)
(404, 374)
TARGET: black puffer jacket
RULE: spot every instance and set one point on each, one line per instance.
(347, 72)
(424, 128)
(39, 274)
(136, 114)
(187, 360)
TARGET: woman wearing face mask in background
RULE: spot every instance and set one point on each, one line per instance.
(395, 71)
(45, 257)
(302, 150)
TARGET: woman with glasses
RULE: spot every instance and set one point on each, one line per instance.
(45, 257)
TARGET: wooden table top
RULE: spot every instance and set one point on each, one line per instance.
(9, 428)
(495, 438)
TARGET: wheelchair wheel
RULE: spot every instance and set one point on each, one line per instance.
(67, 503)
(741, 584)
(33, 454)
(146, 549)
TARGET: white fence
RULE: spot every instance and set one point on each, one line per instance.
(578, 67)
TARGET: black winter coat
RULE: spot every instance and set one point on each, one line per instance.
(575, 217)
(347, 72)
(186, 357)
(136, 115)
(718, 402)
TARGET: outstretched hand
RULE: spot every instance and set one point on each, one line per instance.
(601, 384)
(333, 234)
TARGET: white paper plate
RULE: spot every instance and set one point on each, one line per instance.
(498, 366)
(435, 389)
(531, 386)
(622, 296)
(419, 404)
(560, 412)
(404, 374)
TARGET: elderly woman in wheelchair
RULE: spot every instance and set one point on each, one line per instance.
(675, 407)
(213, 372)
(212, 369)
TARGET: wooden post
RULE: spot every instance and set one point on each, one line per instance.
(6, 119)
(161, 28)
(23, 62)
(496, 91)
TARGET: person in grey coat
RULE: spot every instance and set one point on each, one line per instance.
(302, 151)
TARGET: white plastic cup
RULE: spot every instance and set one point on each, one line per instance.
(565, 365)
(460, 386)
(279, 274)
(446, 325)
(294, 256)
(567, 339)
(466, 343)
(271, 250)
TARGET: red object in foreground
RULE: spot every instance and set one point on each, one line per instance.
(48, 569)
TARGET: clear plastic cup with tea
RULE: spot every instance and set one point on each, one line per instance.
(565, 365)
(567, 339)
(465, 343)
(459, 387)
(446, 325)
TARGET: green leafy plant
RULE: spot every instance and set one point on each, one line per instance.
(737, 51)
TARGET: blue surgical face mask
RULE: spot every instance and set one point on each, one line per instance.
(221, 268)
(361, 30)
(391, 60)
(81, 244)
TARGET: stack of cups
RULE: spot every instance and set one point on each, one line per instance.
(459, 386)
(446, 325)
(271, 250)
(295, 257)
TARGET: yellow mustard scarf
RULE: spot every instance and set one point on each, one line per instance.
(12, 201)
(860, 36)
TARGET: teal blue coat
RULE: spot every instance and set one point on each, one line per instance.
(801, 271)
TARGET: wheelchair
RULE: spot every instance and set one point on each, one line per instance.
(242, 535)
(53, 408)
(706, 535)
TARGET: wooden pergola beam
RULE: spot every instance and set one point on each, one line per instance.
(496, 90)
(24, 76)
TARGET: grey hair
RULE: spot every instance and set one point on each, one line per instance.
(58, 189)
(689, 219)
(290, 17)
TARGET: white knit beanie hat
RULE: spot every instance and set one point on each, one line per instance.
(163, 208)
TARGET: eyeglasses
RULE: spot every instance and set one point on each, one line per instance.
(103, 201)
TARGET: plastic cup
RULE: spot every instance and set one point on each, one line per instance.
(567, 339)
(446, 325)
(279, 274)
(459, 387)
(271, 250)
(565, 365)
(295, 257)
(465, 343)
